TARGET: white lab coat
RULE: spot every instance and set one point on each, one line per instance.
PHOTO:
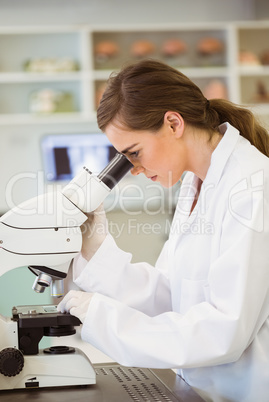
(204, 308)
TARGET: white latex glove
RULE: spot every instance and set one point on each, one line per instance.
(94, 232)
(76, 303)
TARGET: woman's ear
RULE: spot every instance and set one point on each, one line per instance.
(175, 122)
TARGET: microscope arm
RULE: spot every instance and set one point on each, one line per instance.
(44, 232)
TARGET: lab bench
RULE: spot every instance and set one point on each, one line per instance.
(115, 383)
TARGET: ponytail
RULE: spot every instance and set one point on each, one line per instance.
(242, 119)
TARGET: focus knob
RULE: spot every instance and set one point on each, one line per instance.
(11, 362)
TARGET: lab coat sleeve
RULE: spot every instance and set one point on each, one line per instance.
(212, 332)
(111, 273)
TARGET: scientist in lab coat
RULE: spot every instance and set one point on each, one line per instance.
(204, 307)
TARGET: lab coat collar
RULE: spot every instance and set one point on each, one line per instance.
(219, 158)
(222, 153)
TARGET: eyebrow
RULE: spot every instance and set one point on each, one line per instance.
(128, 148)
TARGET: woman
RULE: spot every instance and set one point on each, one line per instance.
(204, 308)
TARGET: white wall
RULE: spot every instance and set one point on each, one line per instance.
(32, 12)
(261, 9)
(21, 159)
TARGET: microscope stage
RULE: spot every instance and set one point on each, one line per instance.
(42, 316)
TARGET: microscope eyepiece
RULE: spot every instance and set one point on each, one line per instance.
(115, 170)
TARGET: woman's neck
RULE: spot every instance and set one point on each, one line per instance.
(200, 148)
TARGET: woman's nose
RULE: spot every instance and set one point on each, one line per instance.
(137, 170)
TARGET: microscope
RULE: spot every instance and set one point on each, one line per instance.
(44, 234)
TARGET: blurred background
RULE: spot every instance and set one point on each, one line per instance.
(55, 58)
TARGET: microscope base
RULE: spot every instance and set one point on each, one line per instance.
(52, 370)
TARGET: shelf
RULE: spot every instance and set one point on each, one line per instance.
(259, 108)
(80, 43)
(54, 118)
(253, 70)
(198, 72)
(15, 77)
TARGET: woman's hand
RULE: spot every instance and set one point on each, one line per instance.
(76, 303)
(94, 232)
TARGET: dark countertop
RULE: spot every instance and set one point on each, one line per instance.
(114, 383)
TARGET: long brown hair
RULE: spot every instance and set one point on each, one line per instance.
(140, 95)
